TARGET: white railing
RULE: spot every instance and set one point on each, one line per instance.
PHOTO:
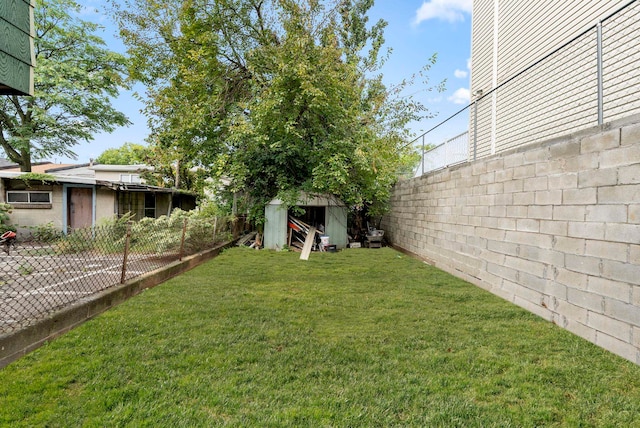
(451, 152)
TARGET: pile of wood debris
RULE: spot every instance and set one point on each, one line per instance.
(302, 237)
(251, 240)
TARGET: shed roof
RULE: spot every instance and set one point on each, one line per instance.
(311, 200)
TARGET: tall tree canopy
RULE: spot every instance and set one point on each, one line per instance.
(278, 96)
(75, 77)
(168, 170)
(127, 154)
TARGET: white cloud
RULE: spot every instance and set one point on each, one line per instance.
(460, 96)
(460, 74)
(445, 10)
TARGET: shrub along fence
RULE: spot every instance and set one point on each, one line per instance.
(47, 271)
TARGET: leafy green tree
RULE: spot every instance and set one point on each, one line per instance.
(168, 170)
(171, 170)
(5, 210)
(278, 96)
(75, 77)
(127, 154)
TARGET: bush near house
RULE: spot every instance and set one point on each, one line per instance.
(149, 235)
(5, 209)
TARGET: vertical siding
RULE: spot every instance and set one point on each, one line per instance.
(482, 74)
(275, 227)
(482, 45)
(336, 225)
(483, 117)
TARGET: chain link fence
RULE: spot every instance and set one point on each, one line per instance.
(46, 270)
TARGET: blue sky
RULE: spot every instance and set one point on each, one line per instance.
(416, 30)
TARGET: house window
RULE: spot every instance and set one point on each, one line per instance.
(26, 197)
(150, 205)
(130, 202)
(130, 178)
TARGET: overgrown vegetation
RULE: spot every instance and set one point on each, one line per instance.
(5, 210)
(357, 338)
(46, 232)
(28, 177)
(148, 235)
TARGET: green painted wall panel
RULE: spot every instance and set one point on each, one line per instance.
(16, 12)
(15, 42)
(16, 47)
(336, 227)
(275, 227)
(14, 74)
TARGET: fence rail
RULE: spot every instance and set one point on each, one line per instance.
(45, 272)
(451, 152)
(592, 79)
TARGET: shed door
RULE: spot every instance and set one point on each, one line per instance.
(79, 207)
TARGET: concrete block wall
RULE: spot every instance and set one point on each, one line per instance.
(552, 227)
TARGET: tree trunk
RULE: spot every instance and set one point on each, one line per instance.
(25, 161)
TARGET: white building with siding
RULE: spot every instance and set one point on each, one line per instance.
(554, 45)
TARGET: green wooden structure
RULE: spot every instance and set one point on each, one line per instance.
(17, 56)
(329, 210)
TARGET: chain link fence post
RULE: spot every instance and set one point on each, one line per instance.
(184, 232)
(422, 155)
(215, 229)
(127, 240)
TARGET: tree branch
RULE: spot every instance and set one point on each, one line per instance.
(12, 153)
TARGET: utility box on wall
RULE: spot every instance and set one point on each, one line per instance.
(17, 55)
(327, 210)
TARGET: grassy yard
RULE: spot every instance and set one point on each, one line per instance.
(356, 338)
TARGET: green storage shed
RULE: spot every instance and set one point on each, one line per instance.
(320, 210)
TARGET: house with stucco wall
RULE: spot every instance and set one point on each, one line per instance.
(82, 195)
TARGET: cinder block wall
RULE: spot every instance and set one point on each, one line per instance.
(552, 227)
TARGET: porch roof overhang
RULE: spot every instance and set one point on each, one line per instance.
(113, 185)
(136, 187)
(13, 175)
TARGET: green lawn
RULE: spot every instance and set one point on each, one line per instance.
(356, 338)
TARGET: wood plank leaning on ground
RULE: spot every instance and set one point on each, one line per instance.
(308, 243)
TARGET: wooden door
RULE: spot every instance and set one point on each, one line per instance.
(80, 207)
